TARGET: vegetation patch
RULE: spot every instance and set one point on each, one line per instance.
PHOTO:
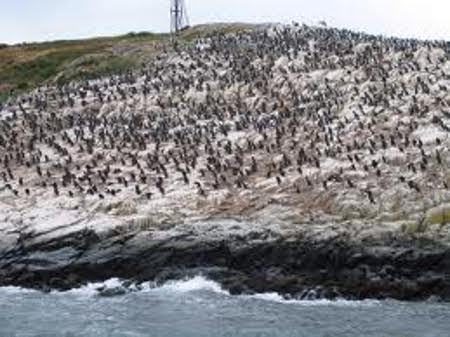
(120, 208)
(438, 215)
(96, 66)
(24, 67)
(152, 222)
(412, 228)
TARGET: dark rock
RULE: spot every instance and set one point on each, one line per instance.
(112, 292)
(299, 267)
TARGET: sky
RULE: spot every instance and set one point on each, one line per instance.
(40, 20)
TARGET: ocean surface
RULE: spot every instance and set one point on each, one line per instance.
(198, 307)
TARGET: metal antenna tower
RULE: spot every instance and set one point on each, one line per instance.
(178, 16)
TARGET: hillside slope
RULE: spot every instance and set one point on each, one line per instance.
(25, 66)
(321, 153)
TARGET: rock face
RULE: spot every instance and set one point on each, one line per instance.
(280, 159)
(343, 260)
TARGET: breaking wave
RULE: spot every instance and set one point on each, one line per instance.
(16, 290)
(118, 287)
(197, 283)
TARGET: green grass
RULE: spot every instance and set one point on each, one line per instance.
(24, 67)
(206, 30)
(37, 70)
(3, 96)
(97, 66)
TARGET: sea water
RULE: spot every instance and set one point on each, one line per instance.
(198, 307)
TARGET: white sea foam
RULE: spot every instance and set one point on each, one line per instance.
(189, 285)
(199, 283)
(272, 297)
(16, 290)
(275, 297)
(92, 289)
(195, 284)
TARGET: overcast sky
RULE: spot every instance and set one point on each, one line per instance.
(37, 20)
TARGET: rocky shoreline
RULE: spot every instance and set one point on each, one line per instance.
(292, 159)
(245, 259)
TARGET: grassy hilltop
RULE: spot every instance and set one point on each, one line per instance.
(27, 66)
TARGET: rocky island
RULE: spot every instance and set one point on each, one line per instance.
(304, 160)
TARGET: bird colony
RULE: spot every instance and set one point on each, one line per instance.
(329, 124)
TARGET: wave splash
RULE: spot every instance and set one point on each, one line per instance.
(196, 283)
(277, 298)
(12, 290)
(118, 287)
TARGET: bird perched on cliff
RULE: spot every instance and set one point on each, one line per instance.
(370, 196)
(246, 108)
